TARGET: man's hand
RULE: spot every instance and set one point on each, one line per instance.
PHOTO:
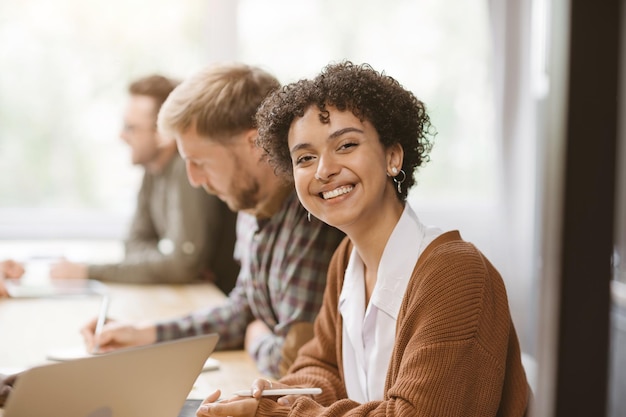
(67, 269)
(9, 269)
(256, 330)
(117, 335)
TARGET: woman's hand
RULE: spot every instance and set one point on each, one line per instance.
(235, 407)
(243, 406)
(6, 386)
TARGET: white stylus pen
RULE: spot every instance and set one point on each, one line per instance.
(280, 392)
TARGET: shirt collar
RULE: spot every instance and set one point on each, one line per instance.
(404, 247)
(398, 261)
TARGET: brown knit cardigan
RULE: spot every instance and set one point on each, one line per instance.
(456, 351)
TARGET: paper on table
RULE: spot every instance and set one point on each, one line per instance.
(62, 355)
(21, 288)
(67, 354)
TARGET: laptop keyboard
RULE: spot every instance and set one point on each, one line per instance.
(189, 409)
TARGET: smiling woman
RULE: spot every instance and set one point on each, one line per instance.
(336, 163)
(424, 316)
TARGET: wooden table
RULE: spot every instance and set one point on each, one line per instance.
(29, 328)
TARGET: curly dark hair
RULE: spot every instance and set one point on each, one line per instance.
(396, 114)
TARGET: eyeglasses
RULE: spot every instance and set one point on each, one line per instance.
(129, 128)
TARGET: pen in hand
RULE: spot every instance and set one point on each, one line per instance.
(281, 391)
(102, 316)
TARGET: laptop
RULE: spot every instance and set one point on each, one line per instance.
(152, 380)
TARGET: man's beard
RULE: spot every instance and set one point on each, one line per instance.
(246, 198)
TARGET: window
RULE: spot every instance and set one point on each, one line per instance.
(439, 52)
(66, 65)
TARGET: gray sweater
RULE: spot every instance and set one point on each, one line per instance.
(179, 234)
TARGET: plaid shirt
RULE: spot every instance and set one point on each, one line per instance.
(284, 261)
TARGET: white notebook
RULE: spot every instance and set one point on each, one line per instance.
(22, 288)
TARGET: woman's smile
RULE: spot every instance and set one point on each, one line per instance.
(344, 189)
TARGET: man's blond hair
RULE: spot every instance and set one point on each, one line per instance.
(220, 101)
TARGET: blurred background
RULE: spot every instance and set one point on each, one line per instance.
(488, 71)
(67, 63)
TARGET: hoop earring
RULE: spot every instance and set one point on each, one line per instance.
(308, 216)
(399, 182)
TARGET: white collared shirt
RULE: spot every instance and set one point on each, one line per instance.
(369, 334)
